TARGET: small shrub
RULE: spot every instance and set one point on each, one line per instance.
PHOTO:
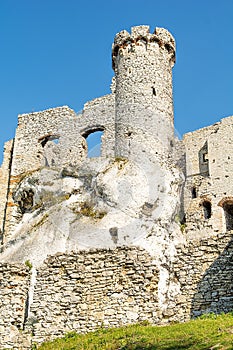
(28, 264)
(87, 209)
(182, 227)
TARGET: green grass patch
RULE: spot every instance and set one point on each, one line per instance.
(209, 332)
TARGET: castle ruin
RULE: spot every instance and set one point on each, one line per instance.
(142, 232)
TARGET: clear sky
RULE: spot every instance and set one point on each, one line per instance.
(58, 52)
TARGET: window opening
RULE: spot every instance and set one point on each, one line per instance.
(205, 157)
(207, 209)
(204, 160)
(168, 47)
(228, 211)
(194, 192)
(54, 138)
(153, 91)
(94, 143)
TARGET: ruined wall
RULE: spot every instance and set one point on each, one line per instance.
(209, 169)
(48, 138)
(99, 114)
(53, 138)
(14, 284)
(87, 290)
(34, 138)
(204, 270)
(4, 182)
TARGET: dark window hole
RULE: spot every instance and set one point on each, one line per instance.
(207, 209)
(153, 91)
(228, 212)
(194, 192)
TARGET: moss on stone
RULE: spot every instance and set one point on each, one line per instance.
(87, 209)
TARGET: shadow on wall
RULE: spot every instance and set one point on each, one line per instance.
(214, 292)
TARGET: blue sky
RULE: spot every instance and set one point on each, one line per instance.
(58, 52)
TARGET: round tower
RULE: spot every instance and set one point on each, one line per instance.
(144, 103)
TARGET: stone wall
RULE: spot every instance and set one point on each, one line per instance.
(209, 168)
(14, 285)
(99, 114)
(52, 138)
(204, 270)
(86, 290)
(4, 182)
(47, 138)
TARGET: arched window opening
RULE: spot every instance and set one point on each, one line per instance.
(228, 212)
(206, 209)
(94, 142)
(44, 139)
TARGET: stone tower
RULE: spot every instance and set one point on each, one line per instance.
(144, 104)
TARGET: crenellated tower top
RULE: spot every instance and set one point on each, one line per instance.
(139, 35)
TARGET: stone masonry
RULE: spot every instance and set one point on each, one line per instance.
(94, 289)
(142, 232)
(14, 282)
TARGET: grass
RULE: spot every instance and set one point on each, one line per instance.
(209, 332)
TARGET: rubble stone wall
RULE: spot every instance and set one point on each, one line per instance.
(35, 134)
(86, 290)
(14, 286)
(204, 269)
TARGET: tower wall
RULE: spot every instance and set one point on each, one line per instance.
(144, 104)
